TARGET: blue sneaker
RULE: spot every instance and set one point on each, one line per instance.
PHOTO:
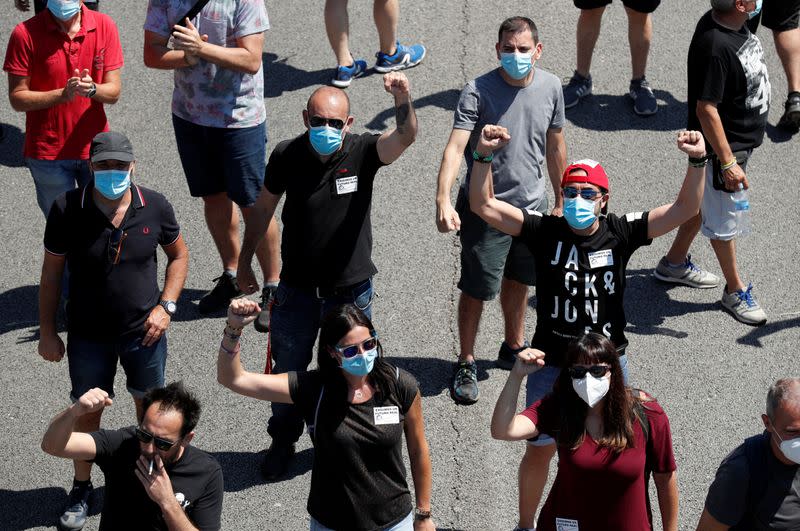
(404, 57)
(346, 74)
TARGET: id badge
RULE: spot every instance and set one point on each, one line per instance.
(386, 415)
(347, 185)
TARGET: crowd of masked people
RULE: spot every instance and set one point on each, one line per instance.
(315, 292)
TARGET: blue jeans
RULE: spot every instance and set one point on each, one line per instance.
(54, 177)
(406, 524)
(293, 328)
(94, 364)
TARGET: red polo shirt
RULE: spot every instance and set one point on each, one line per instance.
(40, 50)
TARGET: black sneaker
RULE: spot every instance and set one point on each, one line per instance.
(276, 461)
(219, 297)
(464, 389)
(74, 516)
(791, 114)
(261, 324)
(507, 355)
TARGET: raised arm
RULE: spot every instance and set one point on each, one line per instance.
(270, 387)
(61, 439)
(499, 214)
(506, 424)
(394, 142)
(447, 219)
(663, 219)
(420, 458)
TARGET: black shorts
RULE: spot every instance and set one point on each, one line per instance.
(780, 15)
(642, 6)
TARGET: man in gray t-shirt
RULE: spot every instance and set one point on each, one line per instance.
(757, 487)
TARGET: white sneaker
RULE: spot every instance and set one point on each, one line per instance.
(743, 306)
(687, 274)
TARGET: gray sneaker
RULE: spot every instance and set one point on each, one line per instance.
(687, 274)
(74, 516)
(644, 101)
(577, 88)
(743, 306)
(464, 389)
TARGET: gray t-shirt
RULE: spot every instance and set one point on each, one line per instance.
(777, 508)
(527, 113)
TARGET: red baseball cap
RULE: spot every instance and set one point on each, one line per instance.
(595, 174)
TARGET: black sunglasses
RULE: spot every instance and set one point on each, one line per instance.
(162, 444)
(587, 193)
(318, 121)
(349, 351)
(595, 370)
(115, 240)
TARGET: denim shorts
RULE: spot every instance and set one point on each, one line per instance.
(94, 364)
(219, 159)
(54, 177)
(406, 524)
(488, 255)
(540, 383)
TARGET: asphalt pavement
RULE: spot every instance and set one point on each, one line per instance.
(708, 371)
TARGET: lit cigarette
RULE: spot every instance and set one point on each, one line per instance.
(150, 470)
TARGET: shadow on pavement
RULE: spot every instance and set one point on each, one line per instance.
(11, 142)
(778, 135)
(446, 99)
(21, 310)
(280, 77)
(242, 470)
(26, 509)
(435, 375)
(753, 338)
(610, 112)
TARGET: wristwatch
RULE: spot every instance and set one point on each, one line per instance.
(92, 91)
(477, 157)
(419, 514)
(169, 306)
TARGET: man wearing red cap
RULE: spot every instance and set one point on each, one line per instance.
(580, 268)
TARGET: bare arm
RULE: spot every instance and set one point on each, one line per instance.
(109, 90)
(714, 131)
(709, 523)
(418, 454)
(663, 219)
(244, 57)
(394, 142)
(61, 440)
(177, 269)
(23, 99)
(499, 214)
(158, 55)
(447, 219)
(667, 490)
(556, 155)
(50, 345)
(506, 424)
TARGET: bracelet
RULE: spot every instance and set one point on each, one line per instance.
(232, 337)
(477, 157)
(230, 353)
(419, 514)
(698, 162)
(728, 165)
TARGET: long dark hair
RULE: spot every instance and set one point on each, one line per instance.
(335, 325)
(618, 409)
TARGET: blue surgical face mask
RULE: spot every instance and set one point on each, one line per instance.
(112, 183)
(516, 64)
(64, 9)
(324, 139)
(754, 13)
(360, 364)
(579, 212)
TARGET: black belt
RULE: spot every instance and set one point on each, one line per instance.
(326, 292)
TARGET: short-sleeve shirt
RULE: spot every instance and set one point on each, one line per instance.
(777, 506)
(528, 113)
(727, 67)
(109, 300)
(207, 94)
(39, 50)
(327, 229)
(196, 481)
(596, 489)
(580, 280)
(358, 480)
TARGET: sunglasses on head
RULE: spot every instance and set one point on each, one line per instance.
(115, 240)
(348, 351)
(587, 193)
(595, 370)
(318, 121)
(161, 444)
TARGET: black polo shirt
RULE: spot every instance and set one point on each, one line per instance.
(327, 232)
(109, 300)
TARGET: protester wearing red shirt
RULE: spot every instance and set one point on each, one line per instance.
(63, 65)
(609, 437)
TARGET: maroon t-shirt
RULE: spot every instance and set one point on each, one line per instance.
(596, 490)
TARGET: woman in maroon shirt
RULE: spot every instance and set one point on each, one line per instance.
(610, 438)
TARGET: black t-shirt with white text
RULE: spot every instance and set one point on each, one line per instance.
(327, 231)
(727, 67)
(580, 280)
(358, 480)
(196, 481)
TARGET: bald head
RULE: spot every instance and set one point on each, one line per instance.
(329, 99)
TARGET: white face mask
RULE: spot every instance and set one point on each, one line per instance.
(790, 448)
(591, 389)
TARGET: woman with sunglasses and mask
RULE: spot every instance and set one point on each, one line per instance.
(357, 407)
(609, 439)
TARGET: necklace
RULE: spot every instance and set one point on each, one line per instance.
(358, 394)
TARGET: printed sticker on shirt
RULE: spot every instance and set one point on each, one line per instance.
(347, 185)
(602, 258)
(386, 415)
(563, 524)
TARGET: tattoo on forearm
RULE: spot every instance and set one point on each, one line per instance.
(402, 112)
